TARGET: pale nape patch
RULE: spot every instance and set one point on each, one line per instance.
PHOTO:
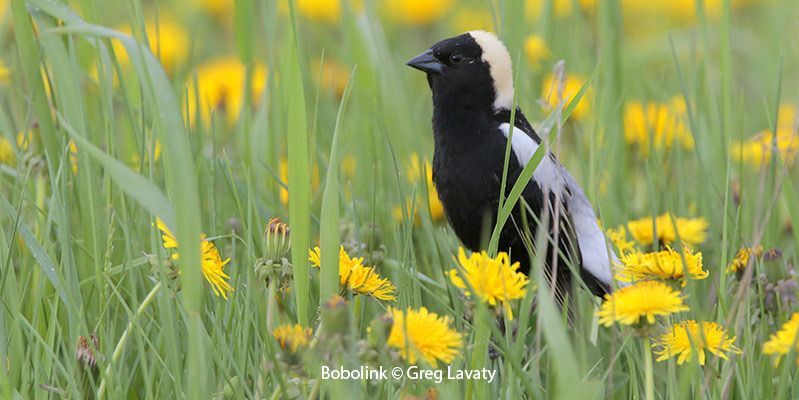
(499, 61)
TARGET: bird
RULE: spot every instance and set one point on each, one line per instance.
(471, 80)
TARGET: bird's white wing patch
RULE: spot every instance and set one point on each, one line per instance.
(547, 174)
(551, 175)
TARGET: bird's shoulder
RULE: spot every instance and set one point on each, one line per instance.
(520, 122)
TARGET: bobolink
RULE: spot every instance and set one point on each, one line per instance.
(472, 83)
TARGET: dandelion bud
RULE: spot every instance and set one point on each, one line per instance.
(278, 239)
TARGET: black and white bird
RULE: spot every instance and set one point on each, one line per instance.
(472, 83)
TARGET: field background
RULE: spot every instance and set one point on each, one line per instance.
(242, 104)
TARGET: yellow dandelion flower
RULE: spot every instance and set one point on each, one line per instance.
(4, 72)
(533, 8)
(167, 39)
(348, 166)
(292, 336)
(356, 277)
(469, 18)
(323, 11)
(420, 334)
(73, 157)
(283, 171)
(220, 88)
(648, 231)
(414, 172)
(328, 11)
(7, 154)
(24, 140)
(618, 237)
(666, 264)
(641, 301)
(784, 341)
(152, 147)
(211, 261)
(331, 76)
(572, 83)
(786, 116)
(689, 337)
(657, 126)
(760, 149)
(494, 280)
(741, 259)
(536, 50)
(416, 12)
(220, 8)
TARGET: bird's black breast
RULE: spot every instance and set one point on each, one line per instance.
(468, 164)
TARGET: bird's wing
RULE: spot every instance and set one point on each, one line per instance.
(519, 121)
(597, 257)
(551, 175)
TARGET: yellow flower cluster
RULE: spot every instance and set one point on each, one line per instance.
(493, 280)
(784, 341)
(664, 265)
(292, 336)
(414, 173)
(221, 88)
(641, 302)
(657, 125)
(7, 154)
(645, 16)
(536, 50)
(553, 90)
(420, 334)
(534, 8)
(684, 339)
(4, 73)
(283, 171)
(416, 12)
(759, 150)
(662, 230)
(742, 257)
(331, 76)
(166, 38)
(211, 262)
(356, 277)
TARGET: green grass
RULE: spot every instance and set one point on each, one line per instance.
(79, 253)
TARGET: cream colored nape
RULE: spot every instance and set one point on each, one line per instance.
(496, 55)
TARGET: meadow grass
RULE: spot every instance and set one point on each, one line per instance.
(114, 136)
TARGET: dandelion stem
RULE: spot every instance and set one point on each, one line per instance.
(271, 305)
(124, 338)
(482, 336)
(649, 375)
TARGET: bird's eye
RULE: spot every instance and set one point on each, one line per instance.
(456, 58)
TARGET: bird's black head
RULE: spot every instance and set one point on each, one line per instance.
(471, 70)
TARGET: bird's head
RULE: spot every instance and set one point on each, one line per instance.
(473, 69)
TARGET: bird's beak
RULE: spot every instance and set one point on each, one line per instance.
(427, 62)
